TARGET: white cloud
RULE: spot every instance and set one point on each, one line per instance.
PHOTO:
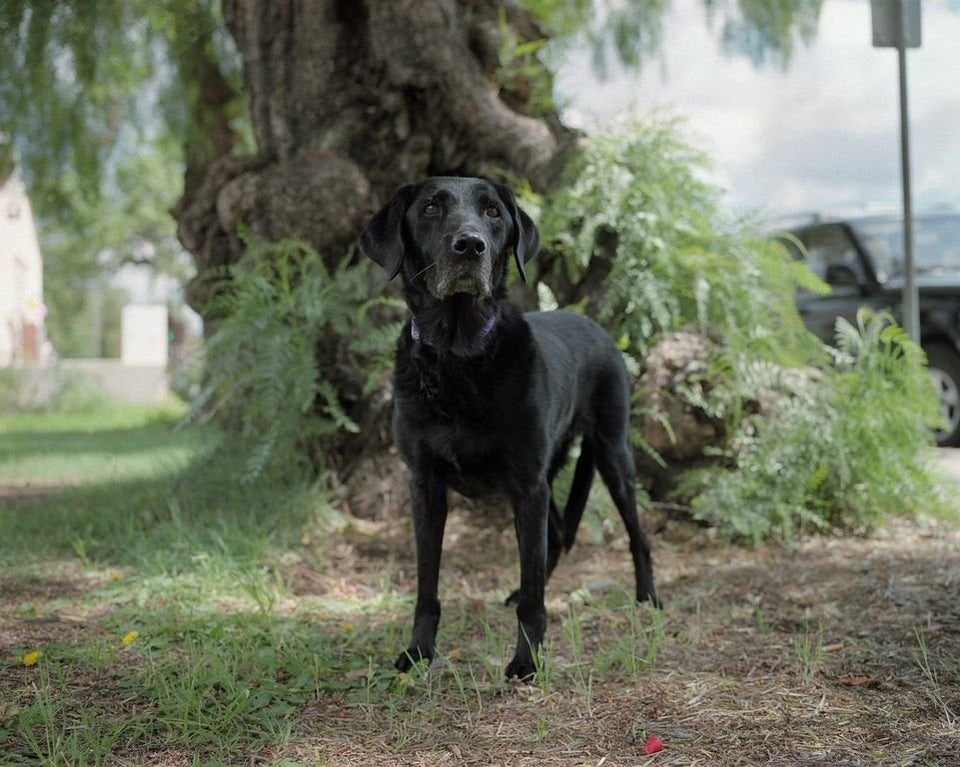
(823, 134)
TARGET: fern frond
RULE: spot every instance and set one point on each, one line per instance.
(278, 306)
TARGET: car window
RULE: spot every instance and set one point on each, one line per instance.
(936, 244)
(831, 251)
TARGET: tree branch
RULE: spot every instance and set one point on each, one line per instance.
(422, 45)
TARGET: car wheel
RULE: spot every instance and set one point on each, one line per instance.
(944, 367)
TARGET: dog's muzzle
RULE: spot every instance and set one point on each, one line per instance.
(472, 284)
(460, 274)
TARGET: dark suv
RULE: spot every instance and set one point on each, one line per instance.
(862, 261)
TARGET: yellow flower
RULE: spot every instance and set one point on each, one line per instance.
(31, 658)
(130, 637)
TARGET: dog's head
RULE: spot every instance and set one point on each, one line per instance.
(453, 233)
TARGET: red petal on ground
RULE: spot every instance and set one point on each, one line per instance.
(652, 745)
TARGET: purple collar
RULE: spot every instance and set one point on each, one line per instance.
(484, 331)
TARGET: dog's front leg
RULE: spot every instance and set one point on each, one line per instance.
(428, 497)
(531, 509)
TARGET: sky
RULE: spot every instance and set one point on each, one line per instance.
(822, 136)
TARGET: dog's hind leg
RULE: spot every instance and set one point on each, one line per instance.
(579, 493)
(615, 462)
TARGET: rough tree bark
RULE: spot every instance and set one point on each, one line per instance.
(348, 99)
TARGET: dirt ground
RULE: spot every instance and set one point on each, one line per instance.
(834, 651)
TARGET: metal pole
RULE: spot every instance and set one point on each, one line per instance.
(911, 303)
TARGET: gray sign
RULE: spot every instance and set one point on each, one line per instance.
(896, 23)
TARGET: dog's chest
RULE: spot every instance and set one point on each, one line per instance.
(474, 457)
(462, 421)
(463, 442)
(459, 398)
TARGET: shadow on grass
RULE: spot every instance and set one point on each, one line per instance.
(164, 521)
(176, 555)
(118, 441)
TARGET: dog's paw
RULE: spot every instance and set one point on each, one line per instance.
(513, 599)
(521, 670)
(411, 656)
(652, 599)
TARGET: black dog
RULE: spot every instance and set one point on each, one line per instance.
(490, 400)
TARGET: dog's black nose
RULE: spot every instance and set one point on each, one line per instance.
(470, 244)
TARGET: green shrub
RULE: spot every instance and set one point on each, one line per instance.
(636, 197)
(287, 328)
(845, 453)
(844, 449)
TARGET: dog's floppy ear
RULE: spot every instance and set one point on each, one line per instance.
(382, 238)
(526, 238)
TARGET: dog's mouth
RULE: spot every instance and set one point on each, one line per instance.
(469, 284)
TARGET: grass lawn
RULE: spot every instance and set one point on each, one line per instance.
(155, 612)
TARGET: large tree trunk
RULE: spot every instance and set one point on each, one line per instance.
(348, 99)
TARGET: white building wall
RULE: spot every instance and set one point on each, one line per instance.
(21, 275)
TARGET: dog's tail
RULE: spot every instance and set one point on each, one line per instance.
(579, 492)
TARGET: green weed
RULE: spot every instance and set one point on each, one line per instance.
(935, 688)
(809, 648)
(582, 669)
(56, 736)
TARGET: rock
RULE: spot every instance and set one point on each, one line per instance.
(674, 379)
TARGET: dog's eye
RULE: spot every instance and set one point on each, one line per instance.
(431, 209)
(493, 211)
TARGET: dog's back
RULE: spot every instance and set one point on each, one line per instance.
(578, 341)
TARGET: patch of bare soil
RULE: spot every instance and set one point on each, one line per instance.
(17, 496)
(836, 651)
(45, 609)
